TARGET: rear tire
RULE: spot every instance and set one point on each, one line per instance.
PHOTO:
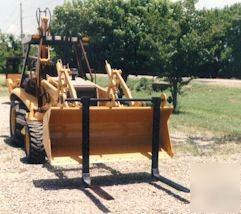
(17, 122)
(34, 147)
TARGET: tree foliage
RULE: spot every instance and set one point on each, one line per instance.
(159, 37)
(9, 47)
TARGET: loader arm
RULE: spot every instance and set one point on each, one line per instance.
(115, 82)
(61, 89)
(52, 92)
(64, 83)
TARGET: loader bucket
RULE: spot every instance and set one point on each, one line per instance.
(113, 131)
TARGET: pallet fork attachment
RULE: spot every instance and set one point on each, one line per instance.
(156, 102)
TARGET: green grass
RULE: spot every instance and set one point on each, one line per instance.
(212, 109)
(102, 81)
(204, 110)
(210, 118)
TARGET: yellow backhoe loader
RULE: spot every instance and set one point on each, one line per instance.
(56, 112)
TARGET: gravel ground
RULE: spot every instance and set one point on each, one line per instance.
(36, 189)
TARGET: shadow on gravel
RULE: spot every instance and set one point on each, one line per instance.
(8, 140)
(170, 193)
(116, 178)
(6, 103)
(96, 201)
(108, 168)
(24, 160)
(4, 136)
(65, 183)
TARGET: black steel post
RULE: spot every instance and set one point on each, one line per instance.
(25, 64)
(155, 147)
(156, 101)
(85, 141)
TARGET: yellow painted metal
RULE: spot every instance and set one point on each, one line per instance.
(52, 91)
(13, 119)
(115, 82)
(113, 131)
(30, 101)
(73, 160)
(13, 81)
(65, 85)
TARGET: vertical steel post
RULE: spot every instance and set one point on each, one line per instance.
(25, 64)
(156, 101)
(85, 141)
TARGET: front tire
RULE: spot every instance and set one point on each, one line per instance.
(34, 147)
(17, 122)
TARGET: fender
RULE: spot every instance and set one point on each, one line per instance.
(28, 100)
(12, 81)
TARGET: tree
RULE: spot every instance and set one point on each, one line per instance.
(136, 35)
(178, 43)
(9, 46)
(231, 52)
(116, 29)
(168, 39)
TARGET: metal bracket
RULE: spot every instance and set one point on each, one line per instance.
(86, 179)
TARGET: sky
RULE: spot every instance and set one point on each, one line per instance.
(10, 12)
(215, 3)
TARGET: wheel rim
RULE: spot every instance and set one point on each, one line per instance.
(13, 120)
(27, 143)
